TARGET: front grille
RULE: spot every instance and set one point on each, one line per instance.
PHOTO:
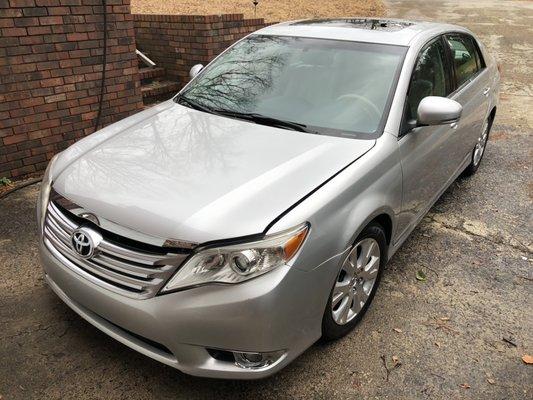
(118, 267)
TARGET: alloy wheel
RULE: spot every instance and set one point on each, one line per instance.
(355, 281)
(480, 145)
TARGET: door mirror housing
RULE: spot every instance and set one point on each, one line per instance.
(434, 110)
(195, 70)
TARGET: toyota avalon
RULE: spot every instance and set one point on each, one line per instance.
(226, 230)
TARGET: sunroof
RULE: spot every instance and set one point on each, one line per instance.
(359, 23)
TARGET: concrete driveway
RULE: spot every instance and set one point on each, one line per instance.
(460, 334)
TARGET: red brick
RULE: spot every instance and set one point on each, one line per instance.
(35, 11)
(17, 155)
(51, 139)
(22, 68)
(34, 101)
(55, 98)
(21, 3)
(30, 21)
(15, 139)
(31, 40)
(34, 159)
(69, 63)
(58, 10)
(73, 37)
(7, 22)
(47, 3)
(51, 82)
(53, 20)
(7, 32)
(10, 12)
(28, 169)
(39, 30)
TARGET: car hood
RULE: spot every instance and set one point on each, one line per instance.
(187, 175)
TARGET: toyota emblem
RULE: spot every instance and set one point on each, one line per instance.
(85, 241)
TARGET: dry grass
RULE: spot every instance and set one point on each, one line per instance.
(270, 10)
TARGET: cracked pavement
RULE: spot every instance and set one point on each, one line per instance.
(459, 334)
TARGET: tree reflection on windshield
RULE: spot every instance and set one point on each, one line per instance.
(331, 86)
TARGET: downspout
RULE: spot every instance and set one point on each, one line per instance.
(104, 62)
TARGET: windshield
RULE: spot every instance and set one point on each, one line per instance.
(316, 85)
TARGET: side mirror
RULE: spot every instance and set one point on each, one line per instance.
(434, 110)
(195, 70)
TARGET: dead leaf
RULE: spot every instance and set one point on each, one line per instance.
(396, 362)
(398, 330)
(491, 381)
(421, 276)
(465, 385)
(527, 358)
(437, 344)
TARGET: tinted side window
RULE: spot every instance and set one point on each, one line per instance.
(465, 57)
(430, 77)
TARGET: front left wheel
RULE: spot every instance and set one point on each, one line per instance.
(356, 283)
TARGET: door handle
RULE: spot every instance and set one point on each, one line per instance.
(486, 91)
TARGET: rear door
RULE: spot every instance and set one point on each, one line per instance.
(471, 81)
(425, 151)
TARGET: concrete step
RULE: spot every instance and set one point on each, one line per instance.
(159, 88)
(151, 72)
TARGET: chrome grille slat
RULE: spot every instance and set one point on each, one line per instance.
(124, 270)
(127, 268)
(64, 236)
(79, 271)
(91, 267)
(68, 226)
(131, 255)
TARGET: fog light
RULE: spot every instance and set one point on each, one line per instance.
(256, 360)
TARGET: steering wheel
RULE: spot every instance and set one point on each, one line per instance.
(368, 106)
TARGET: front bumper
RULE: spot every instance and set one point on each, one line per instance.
(281, 310)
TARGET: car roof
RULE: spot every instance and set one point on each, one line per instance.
(370, 30)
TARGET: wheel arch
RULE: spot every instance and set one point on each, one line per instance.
(384, 217)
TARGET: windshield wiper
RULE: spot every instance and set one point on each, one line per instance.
(253, 117)
(265, 120)
(193, 104)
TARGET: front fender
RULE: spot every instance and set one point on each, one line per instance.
(340, 210)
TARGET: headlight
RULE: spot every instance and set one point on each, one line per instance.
(46, 185)
(238, 263)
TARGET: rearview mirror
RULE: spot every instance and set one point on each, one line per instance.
(434, 110)
(195, 70)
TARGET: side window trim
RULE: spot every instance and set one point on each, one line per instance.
(478, 55)
(448, 65)
(450, 68)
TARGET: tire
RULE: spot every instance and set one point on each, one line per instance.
(480, 146)
(334, 326)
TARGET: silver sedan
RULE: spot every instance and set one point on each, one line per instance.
(226, 230)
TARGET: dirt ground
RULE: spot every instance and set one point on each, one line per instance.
(460, 334)
(270, 10)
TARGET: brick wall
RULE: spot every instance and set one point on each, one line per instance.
(177, 42)
(50, 75)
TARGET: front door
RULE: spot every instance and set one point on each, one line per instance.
(427, 164)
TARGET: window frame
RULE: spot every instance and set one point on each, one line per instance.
(480, 61)
(451, 85)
